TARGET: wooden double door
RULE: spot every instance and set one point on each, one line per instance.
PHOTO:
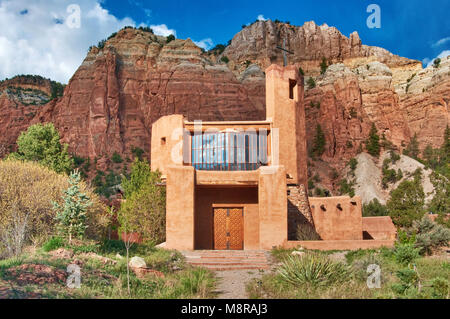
(228, 228)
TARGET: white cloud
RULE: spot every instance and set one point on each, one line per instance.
(441, 42)
(442, 55)
(261, 18)
(163, 30)
(35, 37)
(205, 43)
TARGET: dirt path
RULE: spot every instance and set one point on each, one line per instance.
(232, 283)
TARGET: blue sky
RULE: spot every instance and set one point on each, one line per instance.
(408, 28)
(38, 37)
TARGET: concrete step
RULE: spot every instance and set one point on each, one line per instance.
(228, 260)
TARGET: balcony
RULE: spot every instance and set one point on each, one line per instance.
(229, 150)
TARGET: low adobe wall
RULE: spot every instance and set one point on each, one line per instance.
(340, 244)
(337, 218)
(379, 228)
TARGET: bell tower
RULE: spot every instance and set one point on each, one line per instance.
(285, 108)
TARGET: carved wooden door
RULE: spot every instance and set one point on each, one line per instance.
(228, 228)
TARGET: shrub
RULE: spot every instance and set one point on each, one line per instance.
(430, 235)
(408, 279)
(53, 243)
(314, 270)
(323, 66)
(353, 164)
(225, 59)
(40, 143)
(311, 83)
(394, 157)
(346, 188)
(138, 152)
(116, 158)
(437, 63)
(406, 253)
(13, 234)
(440, 288)
(28, 188)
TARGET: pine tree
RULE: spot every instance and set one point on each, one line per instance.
(445, 148)
(319, 141)
(71, 216)
(373, 143)
(323, 66)
(413, 148)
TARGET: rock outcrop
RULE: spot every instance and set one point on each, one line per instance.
(117, 93)
(112, 100)
(309, 43)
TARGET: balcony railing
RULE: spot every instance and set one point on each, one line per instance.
(229, 151)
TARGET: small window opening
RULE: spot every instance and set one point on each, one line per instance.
(163, 141)
(292, 87)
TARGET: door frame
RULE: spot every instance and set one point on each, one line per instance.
(226, 206)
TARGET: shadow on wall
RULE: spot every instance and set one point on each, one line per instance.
(299, 228)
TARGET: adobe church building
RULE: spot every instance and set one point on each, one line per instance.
(241, 185)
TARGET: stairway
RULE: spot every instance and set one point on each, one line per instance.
(221, 260)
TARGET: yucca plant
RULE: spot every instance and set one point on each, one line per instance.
(314, 270)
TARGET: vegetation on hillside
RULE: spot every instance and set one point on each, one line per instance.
(26, 209)
(40, 143)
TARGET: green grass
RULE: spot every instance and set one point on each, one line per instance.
(99, 280)
(297, 280)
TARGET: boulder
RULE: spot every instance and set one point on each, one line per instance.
(137, 262)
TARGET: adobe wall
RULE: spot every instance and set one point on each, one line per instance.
(180, 205)
(272, 194)
(380, 228)
(167, 137)
(206, 198)
(334, 223)
(284, 107)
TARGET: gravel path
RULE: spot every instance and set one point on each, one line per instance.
(232, 283)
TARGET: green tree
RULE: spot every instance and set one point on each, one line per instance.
(72, 215)
(406, 202)
(170, 38)
(374, 208)
(140, 174)
(444, 157)
(145, 210)
(323, 66)
(373, 143)
(413, 148)
(430, 157)
(440, 204)
(40, 143)
(437, 63)
(319, 142)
